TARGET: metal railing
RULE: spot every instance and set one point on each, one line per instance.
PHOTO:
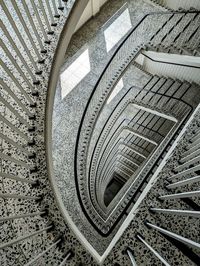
(159, 233)
(29, 34)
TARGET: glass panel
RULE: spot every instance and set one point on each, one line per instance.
(71, 77)
(114, 33)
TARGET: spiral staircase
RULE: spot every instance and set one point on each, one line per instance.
(146, 142)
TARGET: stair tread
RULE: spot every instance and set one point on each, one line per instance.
(169, 26)
(185, 35)
(177, 29)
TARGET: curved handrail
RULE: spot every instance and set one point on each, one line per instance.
(63, 43)
(169, 63)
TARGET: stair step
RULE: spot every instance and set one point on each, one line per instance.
(159, 242)
(174, 87)
(194, 41)
(192, 95)
(181, 90)
(167, 28)
(158, 85)
(197, 52)
(185, 35)
(177, 29)
(166, 87)
(155, 79)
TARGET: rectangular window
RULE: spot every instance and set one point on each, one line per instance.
(118, 29)
(71, 77)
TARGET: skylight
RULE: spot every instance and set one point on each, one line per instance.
(114, 33)
(115, 91)
(71, 77)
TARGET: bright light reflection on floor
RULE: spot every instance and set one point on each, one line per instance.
(117, 88)
(117, 30)
(75, 73)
